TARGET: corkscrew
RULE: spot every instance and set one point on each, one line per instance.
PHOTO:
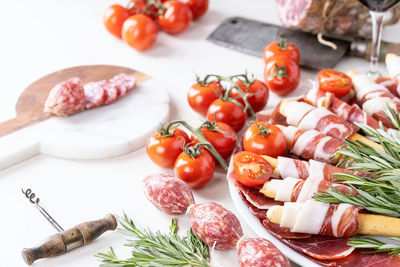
(67, 240)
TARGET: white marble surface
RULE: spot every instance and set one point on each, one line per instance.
(39, 37)
(103, 132)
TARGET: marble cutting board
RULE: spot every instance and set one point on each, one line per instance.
(102, 132)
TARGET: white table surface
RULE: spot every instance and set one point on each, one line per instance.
(42, 36)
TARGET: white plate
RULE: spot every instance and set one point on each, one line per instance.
(259, 229)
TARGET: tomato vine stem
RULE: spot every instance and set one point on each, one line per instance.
(197, 132)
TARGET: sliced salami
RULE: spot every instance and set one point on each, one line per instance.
(95, 94)
(259, 252)
(66, 98)
(123, 82)
(112, 93)
(168, 193)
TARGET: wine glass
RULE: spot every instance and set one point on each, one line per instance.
(377, 9)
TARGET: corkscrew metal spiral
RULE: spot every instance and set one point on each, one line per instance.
(31, 197)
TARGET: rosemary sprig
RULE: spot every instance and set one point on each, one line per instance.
(157, 249)
(375, 245)
(373, 195)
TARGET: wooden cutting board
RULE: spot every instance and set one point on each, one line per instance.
(102, 132)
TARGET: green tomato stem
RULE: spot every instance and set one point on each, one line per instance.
(201, 138)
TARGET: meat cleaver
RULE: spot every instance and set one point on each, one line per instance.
(251, 37)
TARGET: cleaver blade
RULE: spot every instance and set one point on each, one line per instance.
(251, 37)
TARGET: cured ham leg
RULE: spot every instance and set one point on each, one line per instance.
(337, 220)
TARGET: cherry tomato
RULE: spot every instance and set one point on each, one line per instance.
(227, 112)
(113, 18)
(198, 7)
(140, 32)
(266, 140)
(200, 97)
(195, 171)
(257, 87)
(282, 75)
(137, 7)
(251, 169)
(335, 82)
(163, 150)
(176, 17)
(281, 48)
(222, 138)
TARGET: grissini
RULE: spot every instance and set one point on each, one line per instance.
(367, 224)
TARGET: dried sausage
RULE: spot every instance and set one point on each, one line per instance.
(168, 193)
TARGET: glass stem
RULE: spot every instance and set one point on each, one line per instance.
(377, 27)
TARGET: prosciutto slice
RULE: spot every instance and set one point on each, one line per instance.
(312, 144)
(393, 68)
(289, 167)
(297, 190)
(374, 98)
(307, 117)
(351, 113)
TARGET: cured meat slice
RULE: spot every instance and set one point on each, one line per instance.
(289, 167)
(112, 93)
(95, 94)
(393, 68)
(337, 220)
(168, 193)
(259, 252)
(374, 98)
(307, 117)
(391, 85)
(66, 98)
(312, 144)
(297, 190)
(123, 82)
(215, 225)
(351, 113)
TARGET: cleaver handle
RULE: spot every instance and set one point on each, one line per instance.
(362, 48)
(67, 240)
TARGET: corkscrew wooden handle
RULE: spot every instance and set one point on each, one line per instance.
(67, 240)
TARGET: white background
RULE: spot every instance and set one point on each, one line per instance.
(42, 36)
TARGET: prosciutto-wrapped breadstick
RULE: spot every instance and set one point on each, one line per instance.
(311, 144)
(288, 167)
(337, 220)
(393, 68)
(307, 117)
(374, 97)
(351, 113)
(297, 190)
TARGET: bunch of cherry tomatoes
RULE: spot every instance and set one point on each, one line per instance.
(139, 21)
(228, 99)
(282, 71)
(193, 156)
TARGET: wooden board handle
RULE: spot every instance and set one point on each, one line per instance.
(67, 240)
(21, 122)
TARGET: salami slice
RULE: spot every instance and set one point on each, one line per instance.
(95, 94)
(112, 93)
(168, 193)
(259, 252)
(123, 82)
(66, 98)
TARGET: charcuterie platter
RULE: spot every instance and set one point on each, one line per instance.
(102, 132)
